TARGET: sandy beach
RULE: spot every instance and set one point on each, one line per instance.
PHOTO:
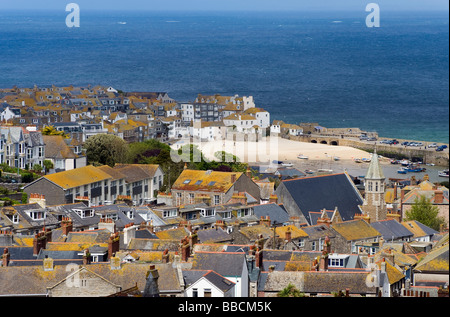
(320, 156)
(275, 148)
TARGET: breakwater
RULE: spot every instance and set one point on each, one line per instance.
(423, 154)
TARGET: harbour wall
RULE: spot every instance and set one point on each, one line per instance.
(426, 155)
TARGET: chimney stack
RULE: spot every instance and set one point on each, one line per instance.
(233, 178)
(113, 244)
(87, 257)
(265, 221)
(48, 264)
(273, 199)
(151, 286)
(185, 249)
(6, 257)
(39, 242)
(107, 223)
(249, 172)
(66, 225)
(438, 197)
(259, 258)
(38, 199)
(193, 239)
(288, 235)
(383, 265)
(129, 232)
(165, 256)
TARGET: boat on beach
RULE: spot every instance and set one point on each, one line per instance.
(405, 162)
(411, 169)
(302, 157)
(443, 173)
(287, 164)
(309, 172)
(336, 158)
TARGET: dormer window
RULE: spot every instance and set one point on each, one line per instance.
(129, 214)
(208, 212)
(36, 214)
(85, 213)
(244, 212)
(169, 213)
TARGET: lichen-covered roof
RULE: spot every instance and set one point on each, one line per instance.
(195, 180)
(435, 261)
(355, 230)
(23, 280)
(295, 232)
(78, 177)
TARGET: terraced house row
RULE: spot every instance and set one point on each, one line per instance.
(99, 185)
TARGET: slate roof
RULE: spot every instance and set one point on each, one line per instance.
(34, 280)
(327, 191)
(136, 172)
(120, 210)
(26, 221)
(418, 229)
(213, 235)
(219, 281)
(274, 211)
(56, 148)
(391, 229)
(317, 282)
(224, 263)
(289, 173)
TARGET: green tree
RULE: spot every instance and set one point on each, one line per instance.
(37, 168)
(290, 291)
(424, 212)
(48, 165)
(51, 130)
(106, 149)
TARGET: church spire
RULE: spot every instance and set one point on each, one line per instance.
(375, 171)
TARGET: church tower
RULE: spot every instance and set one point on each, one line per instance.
(374, 201)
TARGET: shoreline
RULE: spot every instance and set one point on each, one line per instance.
(320, 156)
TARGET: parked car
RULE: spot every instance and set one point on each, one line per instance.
(405, 143)
(372, 139)
(439, 149)
(432, 145)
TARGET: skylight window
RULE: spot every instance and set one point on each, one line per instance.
(187, 181)
(198, 182)
(211, 183)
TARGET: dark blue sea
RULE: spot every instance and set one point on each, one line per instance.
(302, 67)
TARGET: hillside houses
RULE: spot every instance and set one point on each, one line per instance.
(83, 112)
(211, 233)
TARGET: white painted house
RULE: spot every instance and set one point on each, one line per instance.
(262, 117)
(207, 130)
(211, 284)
